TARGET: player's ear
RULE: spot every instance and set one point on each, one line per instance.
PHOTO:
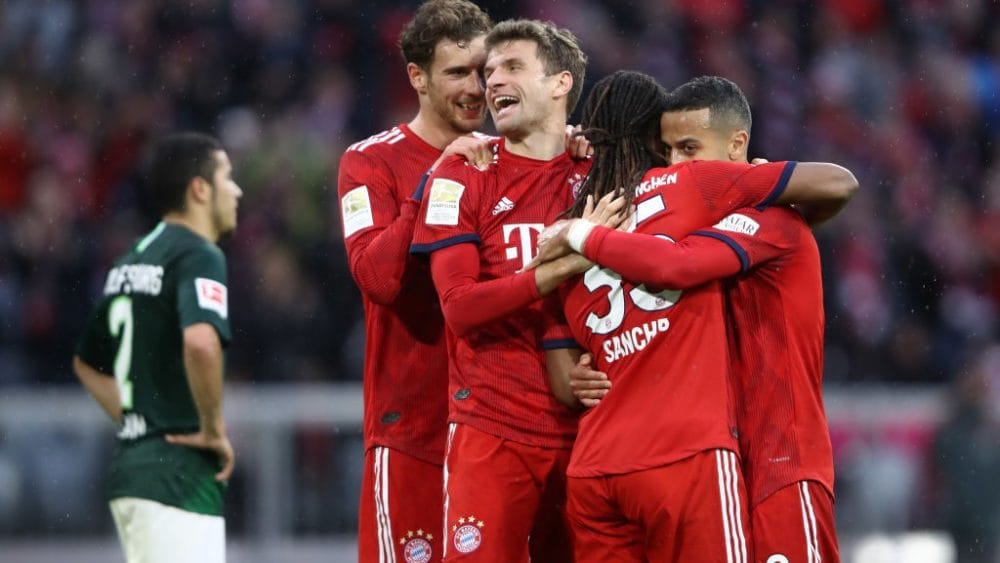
(564, 83)
(418, 77)
(199, 190)
(739, 144)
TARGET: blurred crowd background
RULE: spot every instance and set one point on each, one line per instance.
(905, 93)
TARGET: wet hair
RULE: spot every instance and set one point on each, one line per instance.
(727, 106)
(558, 49)
(176, 160)
(456, 20)
(621, 119)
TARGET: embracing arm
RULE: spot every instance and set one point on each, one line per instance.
(819, 190)
(559, 363)
(468, 303)
(648, 259)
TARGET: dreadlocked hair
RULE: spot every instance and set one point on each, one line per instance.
(621, 119)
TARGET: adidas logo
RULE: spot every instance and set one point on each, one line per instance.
(503, 205)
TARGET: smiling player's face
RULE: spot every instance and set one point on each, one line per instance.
(518, 92)
(455, 84)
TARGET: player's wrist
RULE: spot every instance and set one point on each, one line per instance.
(577, 233)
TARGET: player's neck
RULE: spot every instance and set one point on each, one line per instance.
(201, 226)
(432, 131)
(539, 145)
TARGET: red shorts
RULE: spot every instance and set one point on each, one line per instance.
(690, 510)
(794, 525)
(400, 515)
(505, 501)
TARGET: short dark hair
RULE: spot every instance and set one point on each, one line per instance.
(621, 119)
(457, 20)
(558, 49)
(722, 97)
(177, 159)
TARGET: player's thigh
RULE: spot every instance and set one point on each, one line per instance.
(795, 524)
(550, 535)
(400, 514)
(691, 510)
(151, 532)
(600, 533)
(490, 501)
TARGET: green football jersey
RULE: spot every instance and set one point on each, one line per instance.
(171, 279)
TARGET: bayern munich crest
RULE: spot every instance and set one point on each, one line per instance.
(468, 534)
(416, 546)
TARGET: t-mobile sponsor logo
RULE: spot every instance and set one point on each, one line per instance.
(523, 238)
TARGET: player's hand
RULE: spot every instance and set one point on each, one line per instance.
(475, 150)
(578, 146)
(609, 211)
(552, 244)
(218, 443)
(757, 161)
(589, 386)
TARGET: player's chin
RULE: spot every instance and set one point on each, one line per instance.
(469, 121)
(468, 125)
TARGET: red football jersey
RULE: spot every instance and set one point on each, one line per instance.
(498, 380)
(664, 350)
(406, 361)
(775, 326)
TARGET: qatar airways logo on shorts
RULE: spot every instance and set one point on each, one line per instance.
(523, 240)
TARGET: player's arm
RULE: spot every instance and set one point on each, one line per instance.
(377, 234)
(468, 303)
(819, 190)
(101, 386)
(203, 364)
(559, 363)
(653, 260)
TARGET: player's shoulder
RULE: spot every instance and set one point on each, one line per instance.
(182, 245)
(658, 177)
(378, 143)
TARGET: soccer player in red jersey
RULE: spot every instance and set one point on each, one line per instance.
(654, 473)
(509, 439)
(775, 313)
(406, 362)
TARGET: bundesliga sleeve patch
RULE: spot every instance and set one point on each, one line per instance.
(738, 223)
(356, 206)
(212, 296)
(443, 203)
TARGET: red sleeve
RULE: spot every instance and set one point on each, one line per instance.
(658, 261)
(728, 186)
(449, 211)
(468, 303)
(758, 236)
(377, 231)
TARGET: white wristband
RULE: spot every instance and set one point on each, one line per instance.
(577, 234)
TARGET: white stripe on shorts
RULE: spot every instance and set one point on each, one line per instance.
(729, 496)
(386, 551)
(447, 452)
(809, 524)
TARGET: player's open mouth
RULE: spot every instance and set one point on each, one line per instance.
(471, 111)
(502, 103)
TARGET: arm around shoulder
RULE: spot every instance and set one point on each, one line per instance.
(819, 189)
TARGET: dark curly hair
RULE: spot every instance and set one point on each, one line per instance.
(621, 119)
